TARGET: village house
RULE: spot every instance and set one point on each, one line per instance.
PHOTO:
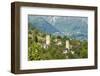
(58, 42)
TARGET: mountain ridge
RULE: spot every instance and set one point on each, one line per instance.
(72, 27)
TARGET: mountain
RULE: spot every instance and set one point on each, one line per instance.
(74, 27)
(42, 25)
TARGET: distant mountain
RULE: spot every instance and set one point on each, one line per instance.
(42, 25)
(74, 27)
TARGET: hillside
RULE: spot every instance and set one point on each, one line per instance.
(74, 27)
